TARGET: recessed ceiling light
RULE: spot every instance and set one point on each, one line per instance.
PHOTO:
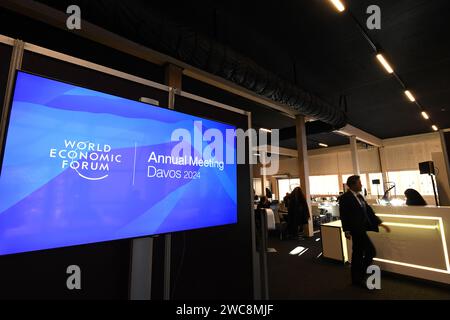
(266, 130)
(425, 115)
(434, 127)
(323, 145)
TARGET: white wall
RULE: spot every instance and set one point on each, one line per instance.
(339, 161)
(402, 153)
(405, 153)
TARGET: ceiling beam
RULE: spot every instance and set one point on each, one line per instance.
(278, 150)
(361, 135)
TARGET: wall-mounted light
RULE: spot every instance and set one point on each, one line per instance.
(410, 96)
(384, 63)
(338, 5)
(435, 128)
(425, 115)
(323, 145)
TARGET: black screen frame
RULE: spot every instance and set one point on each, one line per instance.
(3, 145)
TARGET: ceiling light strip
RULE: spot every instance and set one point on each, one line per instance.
(410, 96)
(384, 63)
(381, 58)
(425, 115)
(338, 5)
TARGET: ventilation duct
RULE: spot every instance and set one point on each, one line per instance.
(135, 21)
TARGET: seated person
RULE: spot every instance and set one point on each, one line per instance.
(264, 203)
(268, 193)
(286, 200)
(413, 198)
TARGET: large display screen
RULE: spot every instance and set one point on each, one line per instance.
(81, 166)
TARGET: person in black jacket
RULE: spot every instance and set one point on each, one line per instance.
(357, 218)
(298, 212)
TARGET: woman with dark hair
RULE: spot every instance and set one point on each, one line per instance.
(413, 198)
(264, 203)
(298, 212)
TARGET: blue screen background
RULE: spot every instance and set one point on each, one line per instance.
(44, 205)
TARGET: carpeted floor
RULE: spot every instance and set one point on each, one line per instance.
(308, 277)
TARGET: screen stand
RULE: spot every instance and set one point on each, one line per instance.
(167, 256)
(141, 269)
(434, 190)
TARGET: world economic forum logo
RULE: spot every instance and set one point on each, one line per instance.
(90, 160)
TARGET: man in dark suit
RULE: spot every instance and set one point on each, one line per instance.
(357, 218)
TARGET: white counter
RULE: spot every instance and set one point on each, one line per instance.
(417, 245)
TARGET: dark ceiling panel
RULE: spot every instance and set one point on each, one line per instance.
(262, 116)
(311, 44)
(331, 139)
(321, 50)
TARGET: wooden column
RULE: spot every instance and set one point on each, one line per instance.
(383, 168)
(354, 151)
(173, 76)
(173, 79)
(303, 168)
(263, 178)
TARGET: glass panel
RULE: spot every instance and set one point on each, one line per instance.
(286, 185)
(376, 189)
(324, 185)
(257, 186)
(411, 179)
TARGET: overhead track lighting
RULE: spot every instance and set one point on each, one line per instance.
(384, 63)
(434, 127)
(410, 96)
(425, 115)
(338, 4)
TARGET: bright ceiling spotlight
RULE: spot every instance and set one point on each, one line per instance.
(265, 130)
(425, 115)
(435, 128)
